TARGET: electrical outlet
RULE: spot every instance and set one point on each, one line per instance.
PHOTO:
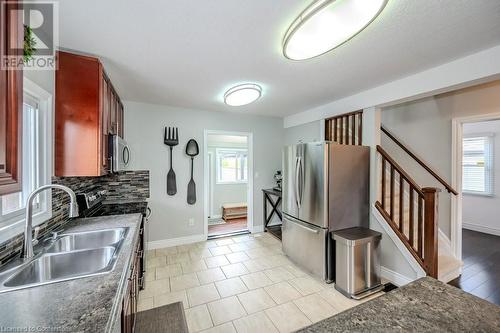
(191, 222)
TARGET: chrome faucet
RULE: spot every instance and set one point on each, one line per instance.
(73, 212)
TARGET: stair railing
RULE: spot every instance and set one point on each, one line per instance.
(345, 129)
(417, 226)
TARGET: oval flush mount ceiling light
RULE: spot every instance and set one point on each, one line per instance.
(327, 24)
(242, 94)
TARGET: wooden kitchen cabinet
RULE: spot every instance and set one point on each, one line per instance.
(130, 299)
(86, 115)
(11, 105)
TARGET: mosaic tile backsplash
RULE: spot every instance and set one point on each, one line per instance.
(126, 186)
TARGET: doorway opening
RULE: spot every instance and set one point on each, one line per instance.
(477, 143)
(228, 183)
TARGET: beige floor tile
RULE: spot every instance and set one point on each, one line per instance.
(256, 280)
(237, 257)
(210, 275)
(225, 310)
(315, 307)
(199, 254)
(156, 287)
(150, 254)
(193, 266)
(219, 250)
(156, 262)
(295, 270)
(203, 294)
(234, 270)
(150, 274)
(279, 274)
(168, 271)
(337, 300)
(230, 287)
(224, 328)
(216, 261)
(238, 247)
(255, 323)
(207, 244)
(256, 265)
(198, 318)
(307, 285)
(278, 260)
(185, 281)
(224, 241)
(256, 300)
(282, 292)
(172, 297)
(287, 317)
(145, 304)
(242, 239)
(258, 252)
(187, 247)
(178, 258)
(166, 251)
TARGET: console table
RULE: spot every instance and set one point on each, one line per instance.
(273, 197)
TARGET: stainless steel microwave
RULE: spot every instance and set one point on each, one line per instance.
(120, 154)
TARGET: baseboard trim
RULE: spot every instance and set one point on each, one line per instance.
(480, 228)
(215, 217)
(257, 229)
(176, 241)
(395, 277)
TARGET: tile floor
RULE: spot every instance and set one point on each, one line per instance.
(238, 284)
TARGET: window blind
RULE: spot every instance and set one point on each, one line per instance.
(477, 165)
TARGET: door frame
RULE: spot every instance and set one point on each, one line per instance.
(456, 176)
(206, 177)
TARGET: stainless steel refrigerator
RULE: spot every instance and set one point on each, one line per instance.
(325, 188)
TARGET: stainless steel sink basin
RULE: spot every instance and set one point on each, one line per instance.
(63, 266)
(87, 240)
(70, 256)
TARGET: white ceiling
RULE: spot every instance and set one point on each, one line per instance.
(186, 53)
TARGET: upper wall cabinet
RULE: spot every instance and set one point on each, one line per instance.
(88, 110)
(11, 103)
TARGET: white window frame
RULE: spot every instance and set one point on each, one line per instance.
(488, 165)
(218, 151)
(12, 224)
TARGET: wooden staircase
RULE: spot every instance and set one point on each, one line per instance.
(408, 208)
(412, 211)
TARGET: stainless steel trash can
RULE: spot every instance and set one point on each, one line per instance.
(357, 265)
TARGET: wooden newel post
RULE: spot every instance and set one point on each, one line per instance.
(431, 196)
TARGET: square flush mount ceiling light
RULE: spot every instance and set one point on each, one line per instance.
(327, 24)
(242, 94)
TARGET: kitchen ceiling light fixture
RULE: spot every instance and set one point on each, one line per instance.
(242, 94)
(327, 24)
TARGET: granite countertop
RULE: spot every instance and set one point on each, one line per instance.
(425, 305)
(89, 304)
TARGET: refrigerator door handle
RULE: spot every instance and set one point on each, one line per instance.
(299, 224)
(297, 179)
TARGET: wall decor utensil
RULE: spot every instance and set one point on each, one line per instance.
(192, 150)
(171, 139)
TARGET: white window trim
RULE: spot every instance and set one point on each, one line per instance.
(217, 166)
(490, 163)
(15, 226)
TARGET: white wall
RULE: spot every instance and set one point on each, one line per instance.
(425, 126)
(308, 132)
(144, 124)
(480, 213)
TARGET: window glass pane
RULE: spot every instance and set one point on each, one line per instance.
(475, 163)
(12, 202)
(232, 166)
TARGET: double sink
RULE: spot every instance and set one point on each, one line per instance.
(66, 257)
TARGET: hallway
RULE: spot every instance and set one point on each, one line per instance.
(481, 272)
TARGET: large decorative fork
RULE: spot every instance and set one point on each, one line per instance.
(171, 139)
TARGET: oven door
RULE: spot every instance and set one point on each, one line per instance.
(121, 154)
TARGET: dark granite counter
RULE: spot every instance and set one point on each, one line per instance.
(425, 305)
(91, 304)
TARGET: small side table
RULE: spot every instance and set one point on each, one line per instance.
(273, 197)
